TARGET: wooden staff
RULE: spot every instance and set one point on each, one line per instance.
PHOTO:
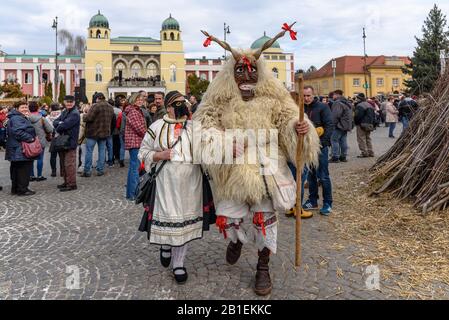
(299, 168)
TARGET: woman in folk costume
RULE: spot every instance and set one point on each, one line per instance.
(245, 95)
(177, 217)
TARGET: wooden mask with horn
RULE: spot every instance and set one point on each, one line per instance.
(245, 68)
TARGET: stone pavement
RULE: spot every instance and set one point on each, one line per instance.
(50, 240)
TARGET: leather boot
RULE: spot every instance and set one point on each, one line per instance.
(263, 281)
(234, 251)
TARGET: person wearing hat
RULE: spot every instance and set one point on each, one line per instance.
(68, 123)
(365, 120)
(99, 120)
(178, 211)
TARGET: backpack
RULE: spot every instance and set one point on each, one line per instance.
(369, 120)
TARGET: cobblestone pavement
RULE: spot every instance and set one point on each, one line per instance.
(46, 238)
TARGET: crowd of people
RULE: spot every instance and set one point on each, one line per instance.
(156, 129)
(334, 116)
(113, 126)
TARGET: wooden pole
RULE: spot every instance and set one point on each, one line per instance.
(299, 85)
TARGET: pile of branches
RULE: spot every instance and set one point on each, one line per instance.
(417, 166)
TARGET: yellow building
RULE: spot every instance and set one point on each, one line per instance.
(282, 64)
(124, 65)
(383, 74)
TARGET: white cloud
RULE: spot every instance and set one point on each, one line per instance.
(326, 28)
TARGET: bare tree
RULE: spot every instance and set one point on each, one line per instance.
(74, 45)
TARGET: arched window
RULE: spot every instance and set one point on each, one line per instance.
(136, 70)
(98, 34)
(152, 69)
(99, 73)
(178, 37)
(105, 34)
(119, 67)
(172, 73)
(165, 36)
(172, 36)
(45, 77)
(91, 34)
(275, 72)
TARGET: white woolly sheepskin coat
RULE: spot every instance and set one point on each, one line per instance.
(271, 108)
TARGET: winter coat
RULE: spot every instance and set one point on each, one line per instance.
(407, 108)
(99, 121)
(82, 133)
(342, 114)
(147, 116)
(364, 113)
(69, 123)
(392, 113)
(19, 130)
(160, 113)
(321, 116)
(42, 127)
(118, 118)
(135, 129)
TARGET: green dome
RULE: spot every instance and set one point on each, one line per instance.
(99, 21)
(261, 41)
(170, 24)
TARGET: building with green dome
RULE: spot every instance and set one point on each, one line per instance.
(122, 65)
(126, 64)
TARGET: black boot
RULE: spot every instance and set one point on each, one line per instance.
(233, 252)
(263, 284)
(122, 164)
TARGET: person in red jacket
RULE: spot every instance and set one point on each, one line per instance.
(135, 130)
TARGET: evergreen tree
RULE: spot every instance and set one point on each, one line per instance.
(49, 89)
(425, 64)
(197, 85)
(61, 92)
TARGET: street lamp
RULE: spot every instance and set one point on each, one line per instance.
(226, 31)
(334, 68)
(364, 58)
(55, 26)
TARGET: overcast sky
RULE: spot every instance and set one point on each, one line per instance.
(326, 28)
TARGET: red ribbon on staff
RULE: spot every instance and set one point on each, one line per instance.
(207, 42)
(293, 34)
(247, 63)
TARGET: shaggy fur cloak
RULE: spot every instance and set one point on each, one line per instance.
(271, 108)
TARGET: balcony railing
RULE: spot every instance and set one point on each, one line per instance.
(133, 83)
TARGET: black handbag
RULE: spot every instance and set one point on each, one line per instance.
(146, 182)
(60, 143)
(148, 197)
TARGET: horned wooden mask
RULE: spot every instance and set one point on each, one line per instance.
(245, 69)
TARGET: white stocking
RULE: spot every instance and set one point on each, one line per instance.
(179, 255)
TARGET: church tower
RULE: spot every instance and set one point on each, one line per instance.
(172, 55)
(98, 56)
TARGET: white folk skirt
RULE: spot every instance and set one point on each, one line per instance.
(178, 208)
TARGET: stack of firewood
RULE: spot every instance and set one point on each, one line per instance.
(417, 166)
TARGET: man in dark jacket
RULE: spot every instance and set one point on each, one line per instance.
(99, 120)
(407, 108)
(159, 101)
(68, 123)
(19, 130)
(321, 116)
(342, 119)
(365, 120)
